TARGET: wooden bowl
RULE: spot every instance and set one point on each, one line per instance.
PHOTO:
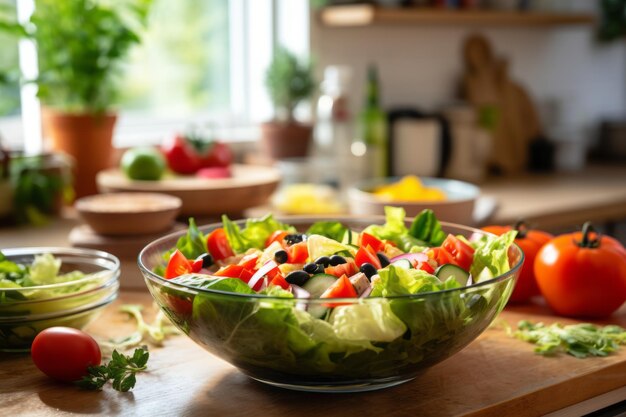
(250, 186)
(457, 208)
(128, 213)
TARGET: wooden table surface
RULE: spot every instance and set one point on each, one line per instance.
(562, 200)
(493, 376)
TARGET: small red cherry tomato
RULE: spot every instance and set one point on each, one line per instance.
(64, 353)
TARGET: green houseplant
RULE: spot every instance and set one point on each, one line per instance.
(288, 81)
(80, 46)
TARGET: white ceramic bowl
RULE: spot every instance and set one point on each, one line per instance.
(457, 208)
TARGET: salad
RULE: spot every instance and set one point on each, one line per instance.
(43, 270)
(42, 292)
(330, 301)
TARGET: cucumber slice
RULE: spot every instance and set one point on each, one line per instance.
(350, 238)
(403, 263)
(317, 284)
(449, 270)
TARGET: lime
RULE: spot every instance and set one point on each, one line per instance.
(146, 164)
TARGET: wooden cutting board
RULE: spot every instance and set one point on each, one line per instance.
(493, 376)
(249, 186)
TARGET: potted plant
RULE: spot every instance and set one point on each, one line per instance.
(288, 81)
(80, 45)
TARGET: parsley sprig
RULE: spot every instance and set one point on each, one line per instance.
(579, 340)
(121, 370)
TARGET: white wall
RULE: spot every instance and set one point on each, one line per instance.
(421, 66)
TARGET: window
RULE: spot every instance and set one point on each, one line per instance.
(203, 62)
(9, 79)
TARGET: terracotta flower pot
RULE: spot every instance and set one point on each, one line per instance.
(285, 140)
(87, 139)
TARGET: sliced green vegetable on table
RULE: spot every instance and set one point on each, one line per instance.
(580, 340)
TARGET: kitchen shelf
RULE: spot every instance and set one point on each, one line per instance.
(366, 15)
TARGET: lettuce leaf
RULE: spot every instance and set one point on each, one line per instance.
(214, 283)
(426, 228)
(373, 321)
(395, 281)
(192, 244)
(254, 234)
(393, 229)
(330, 229)
(318, 245)
(491, 256)
(425, 231)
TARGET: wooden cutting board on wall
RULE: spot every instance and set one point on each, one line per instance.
(513, 119)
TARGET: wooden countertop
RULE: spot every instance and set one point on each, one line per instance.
(553, 201)
(493, 376)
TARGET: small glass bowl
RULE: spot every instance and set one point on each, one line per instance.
(24, 312)
(260, 336)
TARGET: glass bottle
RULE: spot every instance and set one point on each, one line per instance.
(334, 124)
(372, 142)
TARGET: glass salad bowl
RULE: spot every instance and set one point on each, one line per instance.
(367, 344)
(27, 310)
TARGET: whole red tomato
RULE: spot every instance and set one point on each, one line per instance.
(582, 274)
(180, 154)
(217, 154)
(64, 353)
(187, 154)
(530, 241)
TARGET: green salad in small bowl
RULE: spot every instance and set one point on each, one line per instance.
(42, 287)
(332, 305)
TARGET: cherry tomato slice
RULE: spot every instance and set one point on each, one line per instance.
(218, 245)
(178, 265)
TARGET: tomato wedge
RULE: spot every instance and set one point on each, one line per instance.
(298, 253)
(235, 271)
(249, 261)
(218, 245)
(342, 288)
(462, 253)
(441, 256)
(373, 241)
(349, 269)
(367, 255)
(179, 265)
(276, 236)
(279, 280)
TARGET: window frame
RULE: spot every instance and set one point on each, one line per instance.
(252, 41)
